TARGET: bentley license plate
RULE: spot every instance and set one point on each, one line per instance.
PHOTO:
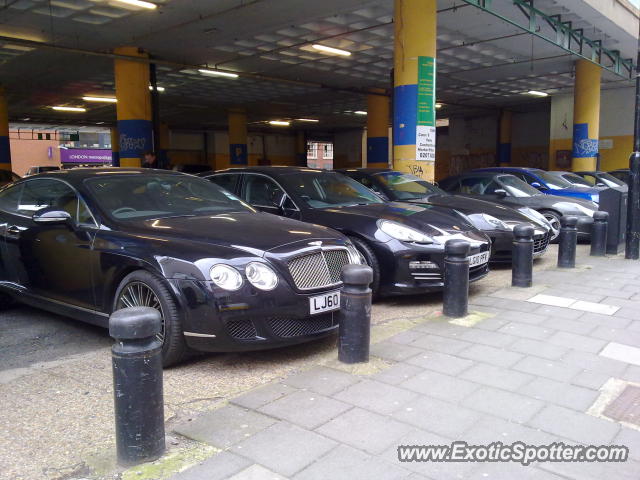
(325, 302)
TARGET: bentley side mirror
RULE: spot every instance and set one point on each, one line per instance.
(51, 216)
(500, 192)
(539, 186)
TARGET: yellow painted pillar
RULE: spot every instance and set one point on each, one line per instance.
(115, 147)
(504, 146)
(238, 138)
(414, 96)
(5, 148)
(377, 130)
(134, 106)
(301, 148)
(586, 115)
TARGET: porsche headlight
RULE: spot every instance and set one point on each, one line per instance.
(403, 233)
(585, 210)
(483, 221)
(534, 215)
(261, 276)
(354, 255)
(225, 276)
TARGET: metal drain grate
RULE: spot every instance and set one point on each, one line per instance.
(626, 407)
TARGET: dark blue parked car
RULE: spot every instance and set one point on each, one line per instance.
(549, 184)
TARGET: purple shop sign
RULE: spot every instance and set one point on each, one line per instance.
(89, 155)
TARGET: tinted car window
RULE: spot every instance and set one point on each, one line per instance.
(226, 180)
(576, 179)
(610, 180)
(326, 189)
(148, 196)
(41, 193)
(407, 186)
(550, 180)
(9, 198)
(516, 187)
(261, 190)
(474, 185)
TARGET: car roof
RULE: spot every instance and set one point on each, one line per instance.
(368, 170)
(506, 169)
(79, 174)
(273, 170)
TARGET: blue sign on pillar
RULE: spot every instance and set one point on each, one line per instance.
(583, 146)
(238, 154)
(136, 137)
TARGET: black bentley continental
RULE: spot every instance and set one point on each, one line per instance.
(402, 242)
(225, 277)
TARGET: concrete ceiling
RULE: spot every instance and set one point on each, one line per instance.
(484, 63)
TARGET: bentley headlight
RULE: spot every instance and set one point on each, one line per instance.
(225, 276)
(403, 233)
(261, 276)
(585, 210)
(483, 221)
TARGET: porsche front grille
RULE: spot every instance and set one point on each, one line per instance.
(319, 269)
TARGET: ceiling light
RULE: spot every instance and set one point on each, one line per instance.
(314, 120)
(334, 51)
(438, 106)
(360, 112)
(159, 89)
(279, 123)
(536, 93)
(91, 98)
(139, 3)
(69, 109)
(217, 72)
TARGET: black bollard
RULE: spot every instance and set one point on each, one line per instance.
(455, 297)
(355, 314)
(137, 384)
(599, 234)
(522, 256)
(567, 242)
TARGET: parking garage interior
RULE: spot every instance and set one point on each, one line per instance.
(338, 84)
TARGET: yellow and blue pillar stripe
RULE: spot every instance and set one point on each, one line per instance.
(377, 129)
(414, 87)
(5, 148)
(238, 154)
(115, 147)
(504, 145)
(135, 128)
(586, 115)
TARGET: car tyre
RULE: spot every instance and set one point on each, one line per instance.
(174, 348)
(554, 219)
(372, 261)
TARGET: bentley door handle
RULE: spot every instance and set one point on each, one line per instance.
(13, 230)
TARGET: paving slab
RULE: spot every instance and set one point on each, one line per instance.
(220, 466)
(437, 416)
(323, 380)
(376, 396)
(284, 448)
(304, 408)
(576, 426)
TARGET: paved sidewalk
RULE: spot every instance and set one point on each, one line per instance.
(537, 365)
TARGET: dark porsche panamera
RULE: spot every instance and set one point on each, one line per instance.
(497, 221)
(402, 242)
(225, 277)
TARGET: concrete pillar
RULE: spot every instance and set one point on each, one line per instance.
(133, 109)
(238, 138)
(504, 145)
(301, 148)
(414, 113)
(5, 149)
(377, 130)
(115, 147)
(586, 115)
